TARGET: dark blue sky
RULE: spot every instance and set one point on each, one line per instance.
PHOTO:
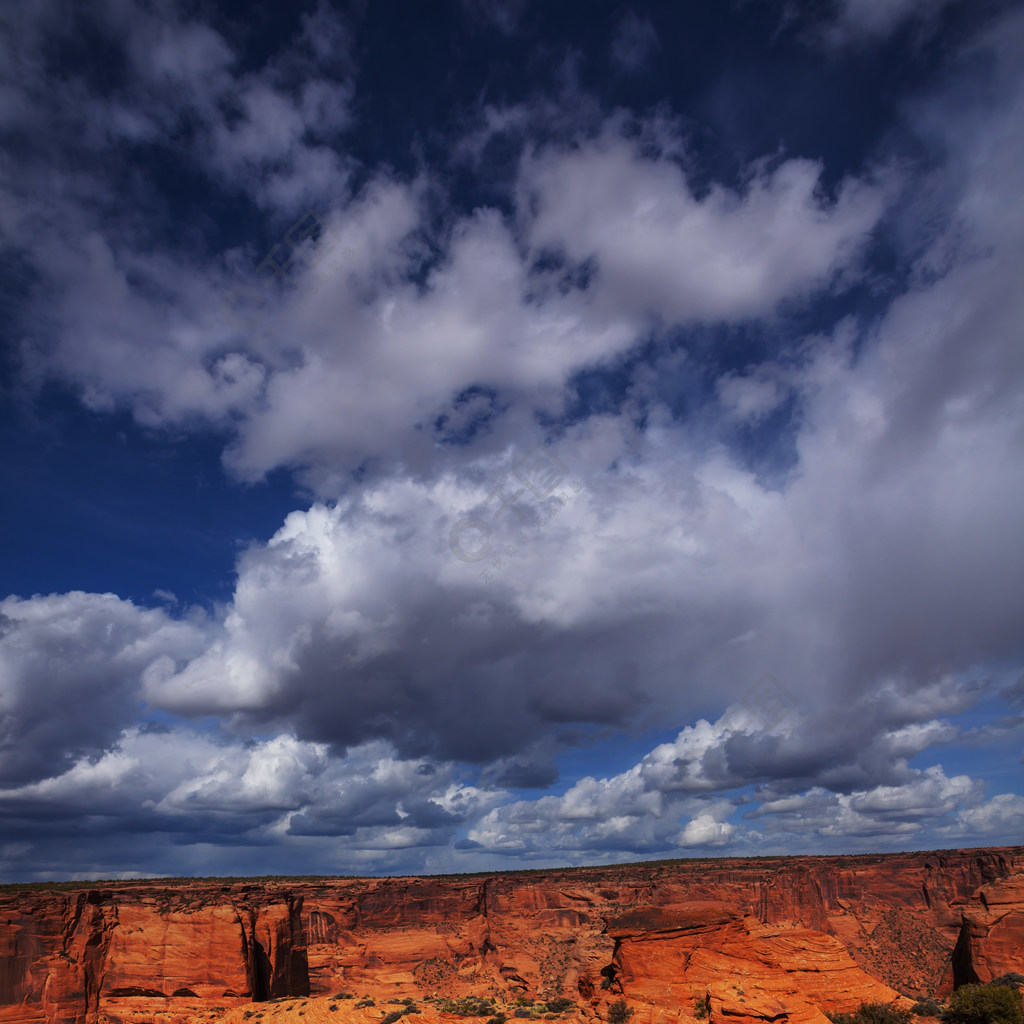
(700, 319)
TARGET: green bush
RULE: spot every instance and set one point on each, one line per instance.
(391, 1017)
(984, 1004)
(469, 1006)
(559, 1005)
(498, 1018)
(619, 1012)
(522, 1012)
(1011, 980)
(927, 1008)
(702, 1007)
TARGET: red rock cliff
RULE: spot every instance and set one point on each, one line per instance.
(95, 954)
(991, 940)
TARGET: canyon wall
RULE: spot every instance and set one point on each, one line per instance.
(915, 923)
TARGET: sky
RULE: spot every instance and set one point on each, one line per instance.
(490, 433)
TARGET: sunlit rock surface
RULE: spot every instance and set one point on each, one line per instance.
(758, 939)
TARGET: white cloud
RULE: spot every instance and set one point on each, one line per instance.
(70, 673)
(183, 781)
(341, 364)
(752, 396)
(915, 807)
(705, 831)
(1000, 819)
(662, 251)
(875, 579)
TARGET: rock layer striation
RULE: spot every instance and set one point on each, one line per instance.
(758, 939)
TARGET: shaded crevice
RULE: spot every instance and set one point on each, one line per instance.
(610, 975)
(962, 961)
(259, 972)
(281, 968)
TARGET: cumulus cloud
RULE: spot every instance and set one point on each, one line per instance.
(364, 287)
(1000, 817)
(925, 797)
(659, 250)
(681, 795)
(870, 589)
(71, 667)
(192, 787)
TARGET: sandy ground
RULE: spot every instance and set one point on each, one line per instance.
(325, 1010)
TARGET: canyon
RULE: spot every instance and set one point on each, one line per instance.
(781, 939)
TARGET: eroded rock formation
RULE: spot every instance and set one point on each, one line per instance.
(740, 969)
(991, 940)
(788, 931)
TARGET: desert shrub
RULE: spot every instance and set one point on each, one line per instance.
(470, 1006)
(522, 1012)
(872, 1013)
(984, 1004)
(1011, 980)
(927, 1008)
(619, 1012)
(498, 1018)
(364, 1003)
(559, 1005)
(391, 1017)
(701, 1007)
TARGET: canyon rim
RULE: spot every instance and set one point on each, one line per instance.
(753, 940)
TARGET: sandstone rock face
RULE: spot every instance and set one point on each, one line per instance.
(68, 955)
(746, 971)
(991, 941)
(804, 933)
